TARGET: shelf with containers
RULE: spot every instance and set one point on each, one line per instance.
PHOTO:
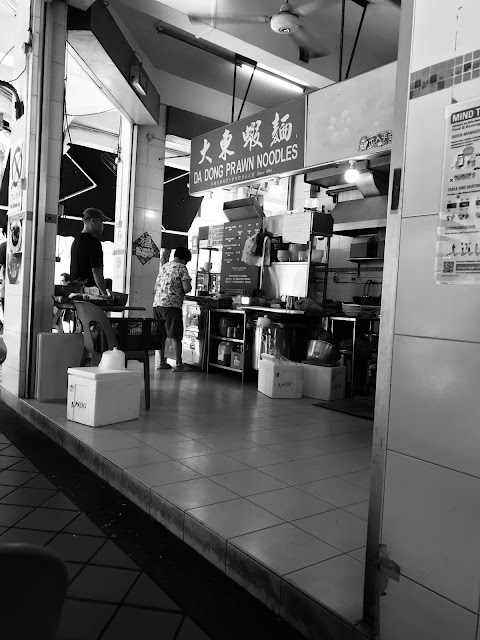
(232, 351)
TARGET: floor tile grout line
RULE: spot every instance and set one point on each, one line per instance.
(117, 609)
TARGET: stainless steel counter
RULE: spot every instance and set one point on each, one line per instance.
(292, 312)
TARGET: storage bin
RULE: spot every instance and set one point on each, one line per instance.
(56, 353)
(137, 334)
(277, 379)
(97, 397)
(324, 383)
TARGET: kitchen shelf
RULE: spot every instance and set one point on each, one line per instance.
(365, 259)
(222, 366)
(228, 339)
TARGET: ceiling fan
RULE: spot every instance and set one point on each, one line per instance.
(287, 22)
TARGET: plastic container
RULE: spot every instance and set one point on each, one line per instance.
(224, 354)
(237, 357)
(97, 397)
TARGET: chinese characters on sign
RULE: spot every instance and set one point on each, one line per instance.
(382, 139)
(270, 143)
(457, 257)
(145, 248)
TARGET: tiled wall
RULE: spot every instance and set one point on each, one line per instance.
(431, 519)
(148, 207)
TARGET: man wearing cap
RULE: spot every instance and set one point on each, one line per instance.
(87, 254)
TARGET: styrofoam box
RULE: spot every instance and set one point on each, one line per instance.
(324, 383)
(279, 380)
(97, 397)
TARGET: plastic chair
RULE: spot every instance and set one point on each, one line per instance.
(3, 351)
(32, 590)
(88, 314)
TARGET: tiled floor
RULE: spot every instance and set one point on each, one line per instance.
(122, 565)
(285, 483)
(108, 594)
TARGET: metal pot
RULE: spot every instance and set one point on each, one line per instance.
(322, 351)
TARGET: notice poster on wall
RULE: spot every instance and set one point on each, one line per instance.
(457, 259)
(15, 248)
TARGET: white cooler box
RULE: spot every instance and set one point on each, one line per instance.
(279, 380)
(324, 383)
(97, 396)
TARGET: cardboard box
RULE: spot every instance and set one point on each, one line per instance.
(97, 396)
(279, 380)
(324, 383)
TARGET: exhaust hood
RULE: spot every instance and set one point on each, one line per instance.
(244, 209)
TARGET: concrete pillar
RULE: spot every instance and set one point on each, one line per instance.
(427, 441)
(147, 213)
(41, 89)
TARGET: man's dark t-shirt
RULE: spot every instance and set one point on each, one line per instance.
(86, 254)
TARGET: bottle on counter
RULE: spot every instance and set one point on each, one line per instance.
(224, 354)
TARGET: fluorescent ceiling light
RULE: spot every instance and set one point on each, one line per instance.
(275, 72)
(274, 79)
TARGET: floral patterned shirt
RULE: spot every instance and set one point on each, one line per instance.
(168, 287)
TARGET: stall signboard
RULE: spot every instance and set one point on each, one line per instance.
(215, 236)
(353, 118)
(236, 276)
(457, 257)
(265, 144)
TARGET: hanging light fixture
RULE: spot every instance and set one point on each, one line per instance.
(352, 174)
(276, 188)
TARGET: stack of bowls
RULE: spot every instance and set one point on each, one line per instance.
(351, 310)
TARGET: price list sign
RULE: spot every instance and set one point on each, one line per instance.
(236, 276)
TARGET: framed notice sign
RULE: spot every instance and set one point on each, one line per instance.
(457, 257)
(236, 276)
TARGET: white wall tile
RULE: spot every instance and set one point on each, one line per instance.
(440, 27)
(409, 611)
(424, 154)
(155, 177)
(139, 197)
(425, 308)
(433, 407)
(58, 43)
(141, 175)
(55, 116)
(156, 155)
(154, 199)
(431, 522)
(12, 379)
(55, 152)
(57, 81)
(138, 216)
(142, 152)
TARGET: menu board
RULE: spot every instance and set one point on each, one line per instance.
(236, 276)
(458, 236)
(215, 236)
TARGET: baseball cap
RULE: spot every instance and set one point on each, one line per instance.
(91, 213)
